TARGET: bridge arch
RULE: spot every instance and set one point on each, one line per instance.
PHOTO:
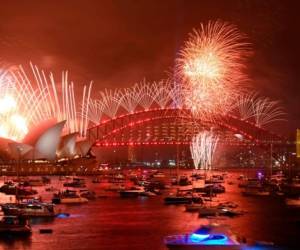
(170, 126)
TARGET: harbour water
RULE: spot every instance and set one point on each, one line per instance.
(143, 222)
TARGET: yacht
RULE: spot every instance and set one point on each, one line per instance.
(96, 179)
(114, 187)
(183, 198)
(218, 211)
(12, 189)
(13, 225)
(90, 195)
(76, 183)
(193, 207)
(34, 183)
(292, 202)
(68, 197)
(134, 191)
(29, 209)
(254, 191)
(204, 238)
(159, 175)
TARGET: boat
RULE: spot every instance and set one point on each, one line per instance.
(292, 202)
(217, 211)
(76, 183)
(181, 198)
(68, 197)
(14, 226)
(46, 180)
(90, 195)
(214, 179)
(29, 209)
(132, 192)
(197, 176)
(193, 207)
(12, 189)
(159, 175)
(51, 189)
(184, 181)
(254, 191)
(96, 180)
(204, 238)
(148, 194)
(114, 187)
(34, 183)
(228, 204)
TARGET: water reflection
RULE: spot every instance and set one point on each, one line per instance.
(142, 223)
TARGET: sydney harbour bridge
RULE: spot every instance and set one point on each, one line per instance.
(142, 116)
(155, 114)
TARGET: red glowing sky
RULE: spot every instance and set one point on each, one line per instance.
(118, 43)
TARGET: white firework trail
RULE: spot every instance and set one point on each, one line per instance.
(162, 94)
(42, 99)
(95, 112)
(260, 110)
(202, 149)
(130, 98)
(146, 93)
(121, 101)
(109, 101)
(267, 111)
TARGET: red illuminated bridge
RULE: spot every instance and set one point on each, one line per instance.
(175, 126)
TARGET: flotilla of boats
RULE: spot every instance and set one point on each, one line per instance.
(198, 193)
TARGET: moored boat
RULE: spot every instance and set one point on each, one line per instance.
(194, 207)
(255, 192)
(292, 202)
(68, 197)
(218, 211)
(14, 226)
(29, 209)
(134, 191)
(182, 199)
(76, 183)
(90, 195)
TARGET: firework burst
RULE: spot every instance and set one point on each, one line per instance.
(203, 147)
(262, 111)
(211, 66)
(29, 98)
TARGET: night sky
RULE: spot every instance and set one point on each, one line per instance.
(118, 43)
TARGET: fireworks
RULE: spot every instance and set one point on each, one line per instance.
(209, 72)
(142, 96)
(25, 102)
(202, 149)
(211, 67)
(260, 110)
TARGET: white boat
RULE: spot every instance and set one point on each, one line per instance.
(292, 202)
(68, 197)
(29, 209)
(204, 238)
(159, 175)
(134, 191)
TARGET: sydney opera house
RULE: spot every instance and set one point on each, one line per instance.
(44, 145)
